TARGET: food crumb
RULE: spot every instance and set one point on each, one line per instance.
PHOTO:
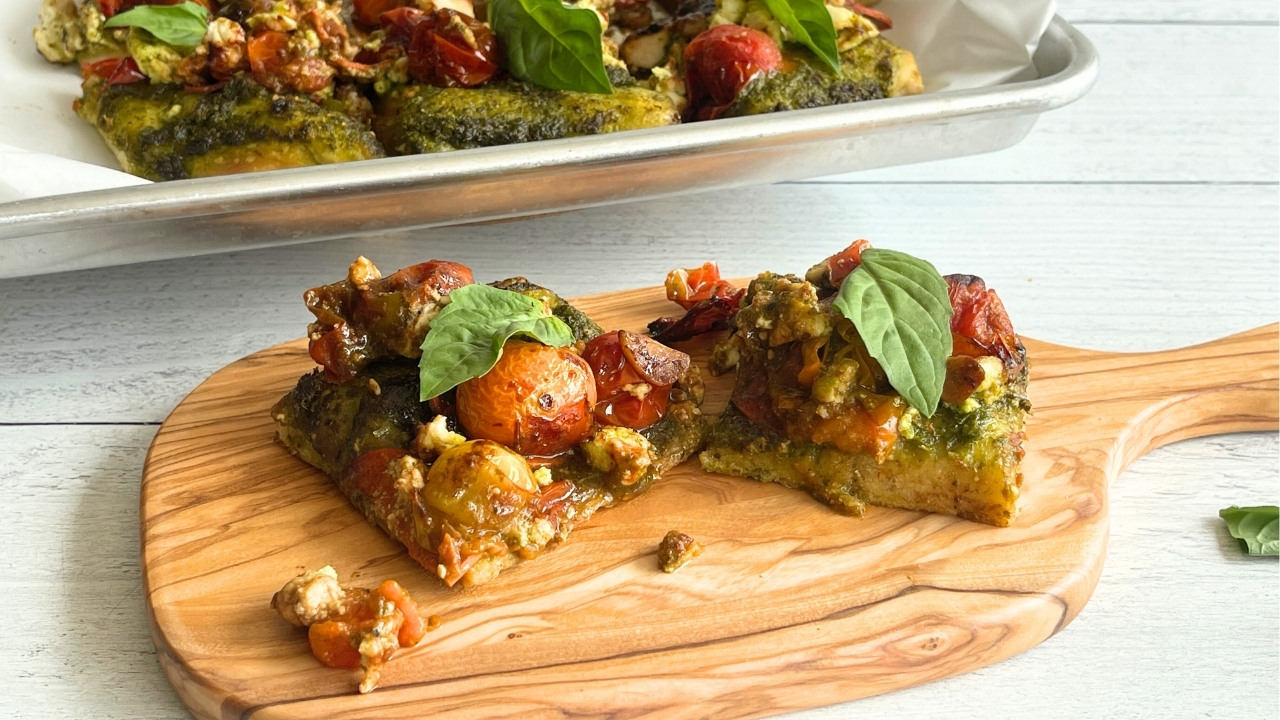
(676, 550)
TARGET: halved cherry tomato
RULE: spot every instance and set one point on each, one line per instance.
(721, 61)
(450, 49)
(979, 323)
(624, 396)
(117, 71)
(367, 13)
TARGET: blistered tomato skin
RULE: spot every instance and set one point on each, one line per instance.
(537, 400)
(721, 61)
(479, 486)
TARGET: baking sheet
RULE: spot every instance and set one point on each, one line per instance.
(959, 44)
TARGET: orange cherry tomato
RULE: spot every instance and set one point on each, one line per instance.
(331, 643)
(268, 54)
(537, 400)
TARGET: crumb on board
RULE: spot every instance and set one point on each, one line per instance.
(676, 550)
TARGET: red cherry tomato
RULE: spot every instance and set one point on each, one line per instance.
(846, 261)
(979, 323)
(367, 13)
(117, 71)
(721, 61)
(688, 287)
(450, 49)
(621, 393)
(398, 24)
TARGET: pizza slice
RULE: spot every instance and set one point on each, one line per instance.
(500, 467)
(814, 408)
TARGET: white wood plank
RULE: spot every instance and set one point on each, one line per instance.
(1173, 103)
(79, 644)
(1112, 267)
(1187, 11)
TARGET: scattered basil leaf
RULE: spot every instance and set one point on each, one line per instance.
(810, 24)
(899, 305)
(549, 44)
(1257, 528)
(181, 26)
(465, 339)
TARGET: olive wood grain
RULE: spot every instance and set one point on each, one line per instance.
(791, 605)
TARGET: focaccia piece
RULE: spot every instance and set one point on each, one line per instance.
(468, 507)
(812, 410)
(163, 132)
(874, 68)
(425, 119)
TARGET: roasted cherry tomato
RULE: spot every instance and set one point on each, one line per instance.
(846, 261)
(268, 53)
(450, 49)
(368, 13)
(536, 400)
(688, 287)
(979, 323)
(117, 71)
(398, 24)
(478, 487)
(721, 61)
(625, 396)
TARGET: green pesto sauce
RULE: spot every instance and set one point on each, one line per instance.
(423, 118)
(166, 133)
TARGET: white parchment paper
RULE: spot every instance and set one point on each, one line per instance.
(45, 149)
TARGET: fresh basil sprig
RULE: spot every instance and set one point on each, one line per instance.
(465, 339)
(178, 25)
(810, 24)
(899, 305)
(549, 44)
(1257, 528)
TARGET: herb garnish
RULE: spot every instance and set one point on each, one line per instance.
(810, 24)
(466, 338)
(551, 45)
(900, 306)
(1257, 528)
(181, 26)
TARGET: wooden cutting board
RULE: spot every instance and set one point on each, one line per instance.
(791, 606)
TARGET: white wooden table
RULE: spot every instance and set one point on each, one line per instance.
(1143, 217)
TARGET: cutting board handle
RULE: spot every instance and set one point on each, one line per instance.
(1145, 400)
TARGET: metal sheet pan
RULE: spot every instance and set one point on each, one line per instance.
(193, 217)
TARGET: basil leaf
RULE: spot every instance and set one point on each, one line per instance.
(810, 24)
(551, 45)
(1257, 528)
(899, 305)
(465, 339)
(178, 25)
